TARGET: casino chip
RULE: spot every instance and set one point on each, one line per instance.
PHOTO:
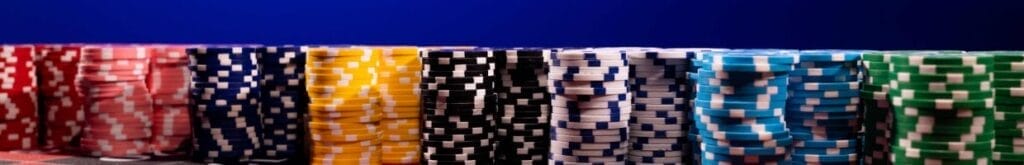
(283, 102)
(693, 137)
(876, 112)
(18, 97)
(934, 126)
(664, 121)
(458, 105)
(400, 103)
(745, 135)
(591, 104)
(59, 99)
(118, 107)
(1008, 116)
(343, 108)
(225, 104)
(815, 101)
(524, 106)
(168, 82)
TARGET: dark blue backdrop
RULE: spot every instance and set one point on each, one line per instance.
(807, 24)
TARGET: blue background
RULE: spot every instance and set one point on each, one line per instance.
(867, 24)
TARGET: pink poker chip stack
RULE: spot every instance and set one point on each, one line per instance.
(18, 115)
(118, 107)
(168, 83)
(61, 103)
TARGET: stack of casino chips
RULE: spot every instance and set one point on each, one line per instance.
(660, 119)
(876, 109)
(943, 106)
(1008, 87)
(283, 101)
(822, 111)
(59, 99)
(524, 106)
(693, 137)
(400, 102)
(118, 107)
(343, 109)
(590, 106)
(458, 103)
(225, 103)
(18, 97)
(739, 106)
(168, 82)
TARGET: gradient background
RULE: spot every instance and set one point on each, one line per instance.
(808, 24)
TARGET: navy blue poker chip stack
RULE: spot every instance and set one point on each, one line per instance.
(458, 100)
(590, 106)
(739, 106)
(822, 111)
(283, 102)
(524, 106)
(658, 124)
(225, 104)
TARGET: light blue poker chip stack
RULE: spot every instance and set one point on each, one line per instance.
(659, 122)
(822, 111)
(739, 105)
(590, 107)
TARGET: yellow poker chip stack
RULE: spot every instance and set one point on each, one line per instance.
(344, 105)
(400, 102)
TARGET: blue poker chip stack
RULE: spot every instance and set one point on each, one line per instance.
(524, 106)
(283, 103)
(659, 123)
(458, 103)
(693, 137)
(822, 111)
(739, 105)
(590, 107)
(225, 104)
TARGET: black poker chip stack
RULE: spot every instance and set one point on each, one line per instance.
(524, 106)
(283, 102)
(458, 104)
(225, 96)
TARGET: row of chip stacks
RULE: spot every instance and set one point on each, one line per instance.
(398, 83)
(822, 111)
(1008, 87)
(343, 110)
(524, 106)
(458, 103)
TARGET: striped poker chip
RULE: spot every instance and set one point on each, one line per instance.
(460, 99)
(524, 105)
(168, 83)
(59, 98)
(283, 101)
(228, 116)
(344, 101)
(118, 106)
(590, 102)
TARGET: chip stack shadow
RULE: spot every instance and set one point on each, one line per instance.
(659, 122)
(343, 110)
(225, 103)
(458, 103)
(739, 105)
(283, 103)
(18, 97)
(1008, 84)
(876, 109)
(822, 111)
(590, 106)
(524, 106)
(59, 99)
(168, 82)
(943, 106)
(400, 102)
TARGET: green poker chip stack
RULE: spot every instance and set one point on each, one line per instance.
(1008, 88)
(876, 108)
(944, 107)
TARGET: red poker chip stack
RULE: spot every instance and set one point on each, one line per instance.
(168, 83)
(61, 103)
(18, 115)
(118, 107)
